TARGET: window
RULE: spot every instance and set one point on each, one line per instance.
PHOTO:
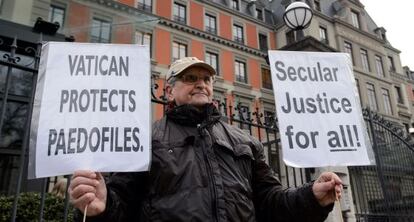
(355, 19)
(378, 65)
(383, 36)
(372, 99)
(387, 101)
(290, 37)
(210, 23)
(235, 4)
(244, 110)
(323, 35)
(364, 59)
(240, 71)
(392, 65)
(317, 5)
(407, 73)
(399, 95)
(269, 118)
(179, 50)
(263, 42)
(145, 5)
(238, 33)
(244, 115)
(212, 60)
(266, 79)
(56, 14)
(259, 14)
(348, 49)
(101, 31)
(268, 15)
(407, 127)
(179, 13)
(218, 97)
(143, 38)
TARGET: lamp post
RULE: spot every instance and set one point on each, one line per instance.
(298, 16)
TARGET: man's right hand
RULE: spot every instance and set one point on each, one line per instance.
(88, 188)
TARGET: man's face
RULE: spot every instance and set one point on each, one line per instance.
(194, 86)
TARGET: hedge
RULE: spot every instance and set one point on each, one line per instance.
(28, 208)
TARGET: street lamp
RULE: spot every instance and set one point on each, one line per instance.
(298, 16)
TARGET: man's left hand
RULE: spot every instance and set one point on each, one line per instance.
(327, 188)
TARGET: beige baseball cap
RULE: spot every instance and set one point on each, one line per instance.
(182, 64)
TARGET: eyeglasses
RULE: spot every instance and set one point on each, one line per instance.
(193, 78)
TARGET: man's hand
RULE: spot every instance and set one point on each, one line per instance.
(327, 188)
(88, 188)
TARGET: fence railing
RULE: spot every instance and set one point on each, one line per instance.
(385, 191)
(13, 61)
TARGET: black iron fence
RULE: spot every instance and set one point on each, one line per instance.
(265, 128)
(384, 192)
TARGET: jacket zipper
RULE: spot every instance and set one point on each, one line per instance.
(209, 172)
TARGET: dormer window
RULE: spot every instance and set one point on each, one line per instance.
(317, 5)
(383, 36)
(355, 19)
(381, 33)
(235, 4)
(259, 14)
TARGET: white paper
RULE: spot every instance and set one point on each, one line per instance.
(318, 110)
(91, 110)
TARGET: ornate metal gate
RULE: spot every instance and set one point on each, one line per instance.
(385, 192)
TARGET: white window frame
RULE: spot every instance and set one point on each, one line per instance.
(364, 59)
(355, 19)
(387, 101)
(208, 20)
(179, 52)
(372, 98)
(240, 71)
(51, 13)
(238, 30)
(100, 38)
(379, 66)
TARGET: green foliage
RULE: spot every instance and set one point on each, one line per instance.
(29, 206)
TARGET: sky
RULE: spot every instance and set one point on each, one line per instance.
(396, 17)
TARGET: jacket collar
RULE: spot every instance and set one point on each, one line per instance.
(189, 115)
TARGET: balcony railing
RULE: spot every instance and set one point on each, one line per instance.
(144, 7)
(264, 48)
(180, 19)
(211, 30)
(238, 39)
(240, 78)
(267, 85)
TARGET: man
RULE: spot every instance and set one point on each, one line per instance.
(202, 169)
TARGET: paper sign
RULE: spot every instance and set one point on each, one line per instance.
(91, 109)
(318, 110)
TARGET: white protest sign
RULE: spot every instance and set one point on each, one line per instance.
(91, 109)
(318, 109)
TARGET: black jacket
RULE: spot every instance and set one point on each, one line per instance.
(204, 169)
